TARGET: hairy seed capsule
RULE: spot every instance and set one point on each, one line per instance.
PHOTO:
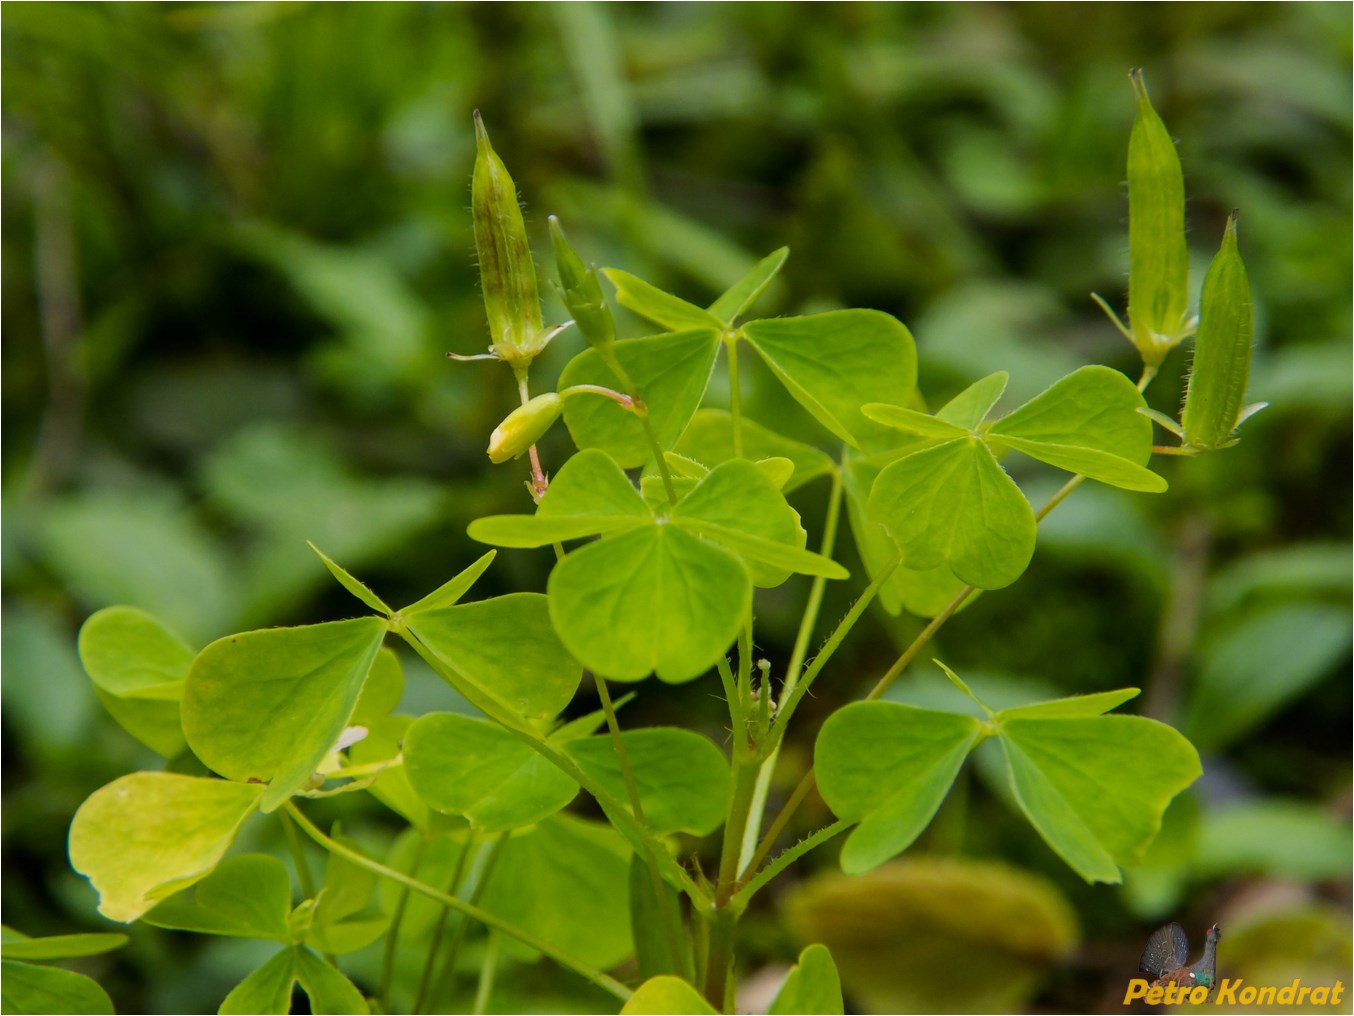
(524, 426)
(507, 273)
(1222, 350)
(1158, 274)
(581, 292)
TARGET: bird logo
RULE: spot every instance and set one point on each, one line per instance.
(1167, 953)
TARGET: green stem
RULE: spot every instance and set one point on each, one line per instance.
(298, 856)
(795, 668)
(1058, 497)
(737, 716)
(785, 859)
(735, 399)
(632, 789)
(487, 970)
(910, 653)
(564, 959)
(779, 823)
(743, 786)
(641, 410)
(538, 480)
(435, 944)
(448, 975)
(740, 803)
(745, 661)
(396, 920)
(834, 640)
(815, 601)
(719, 962)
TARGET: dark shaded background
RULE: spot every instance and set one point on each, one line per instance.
(236, 245)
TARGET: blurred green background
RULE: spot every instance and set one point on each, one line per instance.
(237, 244)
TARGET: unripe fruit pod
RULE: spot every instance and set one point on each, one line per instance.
(582, 293)
(524, 426)
(1158, 273)
(1222, 350)
(507, 273)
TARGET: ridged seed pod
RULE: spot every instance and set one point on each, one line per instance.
(1158, 274)
(1222, 350)
(581, 292)
(507, 273)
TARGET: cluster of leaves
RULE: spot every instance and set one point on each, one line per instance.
(369, 337)
(666, 589)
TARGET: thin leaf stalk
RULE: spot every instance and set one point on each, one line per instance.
(795, 668)
(435, 942)
(539, 483)
(488, 969)
(830, 646)
(448, 975)
(641, 411)
(671, 933)
(564, 959)
(735, 397)
(396, 922)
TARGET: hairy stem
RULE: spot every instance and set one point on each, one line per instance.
(794, 670)
(834, 640)
(785, 859)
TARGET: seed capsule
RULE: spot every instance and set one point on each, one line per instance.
(581, 292)
(1158, 274)
(524, 426)
(507, 273)
(1222, 350)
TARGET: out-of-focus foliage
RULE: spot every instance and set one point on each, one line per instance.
(237, 245)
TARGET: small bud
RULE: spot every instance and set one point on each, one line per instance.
(507, 273)
(1216, 392)
(524, 426)
(1158, 274)
(581, 292)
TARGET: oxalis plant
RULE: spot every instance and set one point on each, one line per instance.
(665, 523)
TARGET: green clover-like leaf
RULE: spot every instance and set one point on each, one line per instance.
(953, 505)
(269, 705)
(148, 835)
(670, 372)
(834, 363)
(1096, 787)
(888, 766)
(462, 765)
(1088, 423)
(664, 594)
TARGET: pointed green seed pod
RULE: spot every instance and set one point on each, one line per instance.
(1222, 351)
(524, 426)
(507, 273)
(1158, 273)
(581, 292)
